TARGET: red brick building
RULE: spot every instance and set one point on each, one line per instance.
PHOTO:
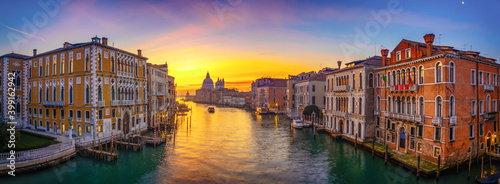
(437, 101)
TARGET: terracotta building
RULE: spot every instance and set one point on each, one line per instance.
(436, 101)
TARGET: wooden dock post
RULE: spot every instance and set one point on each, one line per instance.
(373, 148)
(385, 154)
(418, 166)
(482, 161)
(439, 165)
(470, 160)
(93, 148)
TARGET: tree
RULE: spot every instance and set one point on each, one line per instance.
(308, 110)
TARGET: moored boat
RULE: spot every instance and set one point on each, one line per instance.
(297, 123)
(261, 111)
(211, 109)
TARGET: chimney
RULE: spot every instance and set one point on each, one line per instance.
(65, 45)
(429, 39)
(34, 52)
(139, 52)
(104, 40)
(339, 63)
(384, 56)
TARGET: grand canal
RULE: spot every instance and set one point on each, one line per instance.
(235, 146)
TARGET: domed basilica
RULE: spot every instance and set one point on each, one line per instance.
(208, 83)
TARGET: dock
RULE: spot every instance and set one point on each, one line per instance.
(102, 154)
(129, 145)
(151, 141)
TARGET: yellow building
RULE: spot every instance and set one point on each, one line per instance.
(97, 88)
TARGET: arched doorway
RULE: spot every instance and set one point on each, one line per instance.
(402, 138)
(488, 142)
(126, 121)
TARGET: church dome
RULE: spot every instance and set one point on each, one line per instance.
(208, 83)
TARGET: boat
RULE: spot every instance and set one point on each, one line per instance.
(297, 123)
(490, 179)
(211, 109)
(261, 111)
(306, 125)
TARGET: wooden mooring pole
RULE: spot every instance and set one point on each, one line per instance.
(418, 166)
(385, 154)
(439, 165)
(482, 161)
(470, 161)
(373, 148)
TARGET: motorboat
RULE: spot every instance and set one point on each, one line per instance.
(297, 124)
(211, 109)
(261, 111)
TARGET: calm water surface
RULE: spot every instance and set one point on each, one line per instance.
(235, 146)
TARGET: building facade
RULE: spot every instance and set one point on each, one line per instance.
(310, 91)
(272, 96)
(349, 97)
(424, 108)
(94, 88)
(159, 94)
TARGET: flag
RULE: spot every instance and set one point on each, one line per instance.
(410, 82)
(383, 77)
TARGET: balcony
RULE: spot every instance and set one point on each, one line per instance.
(437, 121)
(343, 88)
(490, 115)
(376, 112)
(404, 88)
(453, 120)
(419, 118)
(100, 104)
(122, 102)
(489, 88)
(138, 101)
(53, 103)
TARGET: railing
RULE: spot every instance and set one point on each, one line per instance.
(38, 153)
(53, 103)
(138, 101)
(419, 118)
(122, 102)
(453, 120)
(489, 88)
(490, 115)
(101, 103)
(376, 112)
(125, 74)
(403, 88)
(438, 121)
(344, 88)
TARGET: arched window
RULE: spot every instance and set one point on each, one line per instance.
(488, 103)
(378, 103)
(99, 61)
(87, 94)
(403, 78)
(47, 68)
(420, 75)
(353, 81)
(29, 96)
(113, 93)
(112, 64)
(438, 72)
(413, 75)
(70, 94)
(398, 81)
(352, 105)
(408, 106)
(46, 94)
(328, 84)
(378, 80)
(99, 93)
(438, 106)
(40, 95)
(87, 63)
(452, 106)
(54, 71)
(54, 94)
(452, 72)
(421, 105)
(62, 66)
(414, 106)
(62, 93)
(70, 65)
(361, 81)
(389, 104)
(394, 78)
(360, 106)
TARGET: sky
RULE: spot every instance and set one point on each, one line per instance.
(243, 40)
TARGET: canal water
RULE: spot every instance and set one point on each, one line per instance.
(236, 146)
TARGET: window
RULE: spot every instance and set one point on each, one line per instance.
(352, 105)
(100, 114)
(62, 66)
(78, 115)
(452, 133)
(40, 96)
(313, 100)
(87, 63)
(473, 77)
(487, 78)
(378, 80)
(419, 147)
(438, 72)
(112, 64)
(70, 65)
(70, 94)
(361, 81)
(62, 93)
(481, 106)
(99, 93)
(420, 131)
(34, 112)
(99, 61)
(40, 112)
(452, 106)
(412, 144)
(437, 151)
(40, 70)
(87, 94)
(360, 110)
(113, 113)
(87, 116)
(420, 75)
(471, 131)
(452, 72)
(62, 114)
(54, 113)
(437, 134)
(481, 129)
(313, 88)
(378, 103)
(408, 53)
(113, 93)
(47, 67)
(480, 78)
(438, 106)
(70, 114)
(412, 131)
(421, 106)
(473, 108)
(398, 56)
(494, 79)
